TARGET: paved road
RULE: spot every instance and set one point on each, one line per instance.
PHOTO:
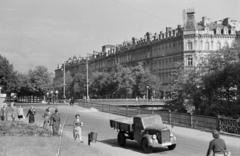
(191, 142)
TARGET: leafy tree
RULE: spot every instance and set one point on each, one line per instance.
(79, 84)
(122, 79)
(99, 83)
(38, 80)
(8, 76)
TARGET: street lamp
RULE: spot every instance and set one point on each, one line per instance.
(56, 95)
(87, 78)
(147, 92)
(64, 80)
(47, 97)
(52, 96)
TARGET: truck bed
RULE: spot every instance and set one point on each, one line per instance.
(122, 124)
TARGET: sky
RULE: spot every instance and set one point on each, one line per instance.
(47, 32)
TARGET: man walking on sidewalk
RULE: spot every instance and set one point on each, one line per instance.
(55, 121)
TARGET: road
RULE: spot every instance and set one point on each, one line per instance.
(190, 142)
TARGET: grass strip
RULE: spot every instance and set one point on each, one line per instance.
(21, 139)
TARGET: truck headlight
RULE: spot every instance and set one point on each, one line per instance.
(173, 136)
(154, 137)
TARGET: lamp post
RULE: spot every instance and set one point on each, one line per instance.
(64, 81)
(47, 97)
(147, 92)
(87, 77)
(56, 95)
(52, 96)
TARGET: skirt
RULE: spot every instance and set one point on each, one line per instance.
(20, 116)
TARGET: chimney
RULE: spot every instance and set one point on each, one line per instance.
(204, 22)
(160, 35)
(174, 33)
(179, 27)
(133, 41)
(147, 36)
(155, 36)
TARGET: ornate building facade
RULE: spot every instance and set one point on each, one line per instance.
(160, 51)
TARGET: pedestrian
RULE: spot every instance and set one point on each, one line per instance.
(46, 117)
(136, 100)
(77, 127)
(21, 116)
(31, 113)
(14, 111)
(217, 145)
(55, 122)
(4, 112)
(72, 101)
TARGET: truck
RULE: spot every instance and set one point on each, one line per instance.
(147, 129)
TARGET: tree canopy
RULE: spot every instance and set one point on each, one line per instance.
(211, 87)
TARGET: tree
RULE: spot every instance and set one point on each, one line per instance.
(8, 77)
(79, 84)
(99, 84)
(39, 80)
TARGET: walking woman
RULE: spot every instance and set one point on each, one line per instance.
(3, 112)
(14, 111)
(21, 116)
(31, 113)
(77, 127)
(46, 116)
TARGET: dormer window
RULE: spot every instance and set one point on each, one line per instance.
(218, 30)
(206, 30)
(232, 31)
(225, 31)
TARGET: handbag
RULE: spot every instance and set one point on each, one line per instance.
(226, 153)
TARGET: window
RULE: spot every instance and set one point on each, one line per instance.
(218, 46)
(226, 44)
(207, 46)
(189, 46)
(189, 61)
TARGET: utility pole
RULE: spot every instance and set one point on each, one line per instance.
(87, 78)
(64, 97)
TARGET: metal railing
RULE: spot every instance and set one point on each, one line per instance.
(207, 123)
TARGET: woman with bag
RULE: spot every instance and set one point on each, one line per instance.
(31, 113)
(77, 128)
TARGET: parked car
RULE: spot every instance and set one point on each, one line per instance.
(147, 129)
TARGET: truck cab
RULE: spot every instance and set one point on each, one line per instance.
(147, 129)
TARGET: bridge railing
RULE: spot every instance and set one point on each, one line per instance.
(207, 123)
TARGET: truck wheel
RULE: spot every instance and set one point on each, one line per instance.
(121, 139)
(146, 148)
(172, 147)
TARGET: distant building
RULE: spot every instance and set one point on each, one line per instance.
(160, 51)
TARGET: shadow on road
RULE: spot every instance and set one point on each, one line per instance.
(132, 145)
